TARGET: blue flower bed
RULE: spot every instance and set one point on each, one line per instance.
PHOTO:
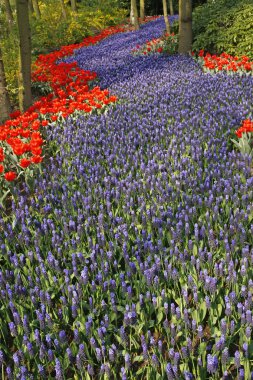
(132, 257)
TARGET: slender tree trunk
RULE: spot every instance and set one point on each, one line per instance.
(171, 8)
(36, 8)
(64, 13)
(5, 106)
(165, 15)
(185, 26)
(73, 6)
(25, 94)
(135, 14)
(9, 16)
(142, 9)
(132, 14)
(30, 3)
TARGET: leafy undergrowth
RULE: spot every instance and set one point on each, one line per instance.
(224, 25)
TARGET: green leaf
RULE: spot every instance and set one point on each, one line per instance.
(4, 196)
(140, 326)
(202, 348)
(219, 308)
(195, 315)
(250, 350)
(195, 250)
(138, 359)
(159, 317)
(202, 311)
(140, 371)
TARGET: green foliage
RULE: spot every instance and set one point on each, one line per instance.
(224, 26)
(9, 47)
(10, 58)
(245, 144)
(174, 28)
(170, 44)
(52, 31)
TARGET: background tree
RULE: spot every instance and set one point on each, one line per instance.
(165, 15)
(171, 8)
(142, 9)
(30, 3)
(8, 12)
(131, 13)
(135, 14)
(64, 13)
(185, 26)
(5, 107)
(25, 94)
(36, 8)
(73, 6)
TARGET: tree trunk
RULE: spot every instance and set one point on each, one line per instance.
(73, 6)
(64, 13)
(165, 15)
(142, 9)
(36, 8)
(30, 3)
(185, 26)
(9, 16)
(132, 14)
(25, 94)
(171, 8)
(5, 106)
(135, 14)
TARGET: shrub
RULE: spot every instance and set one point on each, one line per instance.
(224, 25)
(174, 27)
(10, 58)
(63, 32)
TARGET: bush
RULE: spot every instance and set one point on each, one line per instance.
(10, 58)
(224, 26)
(174, 27)
(60, 32)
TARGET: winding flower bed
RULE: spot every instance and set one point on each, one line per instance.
(21, 142)
(230, 65)
(132, 257)
(225, 62)
(167, 44)
(70, 92)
